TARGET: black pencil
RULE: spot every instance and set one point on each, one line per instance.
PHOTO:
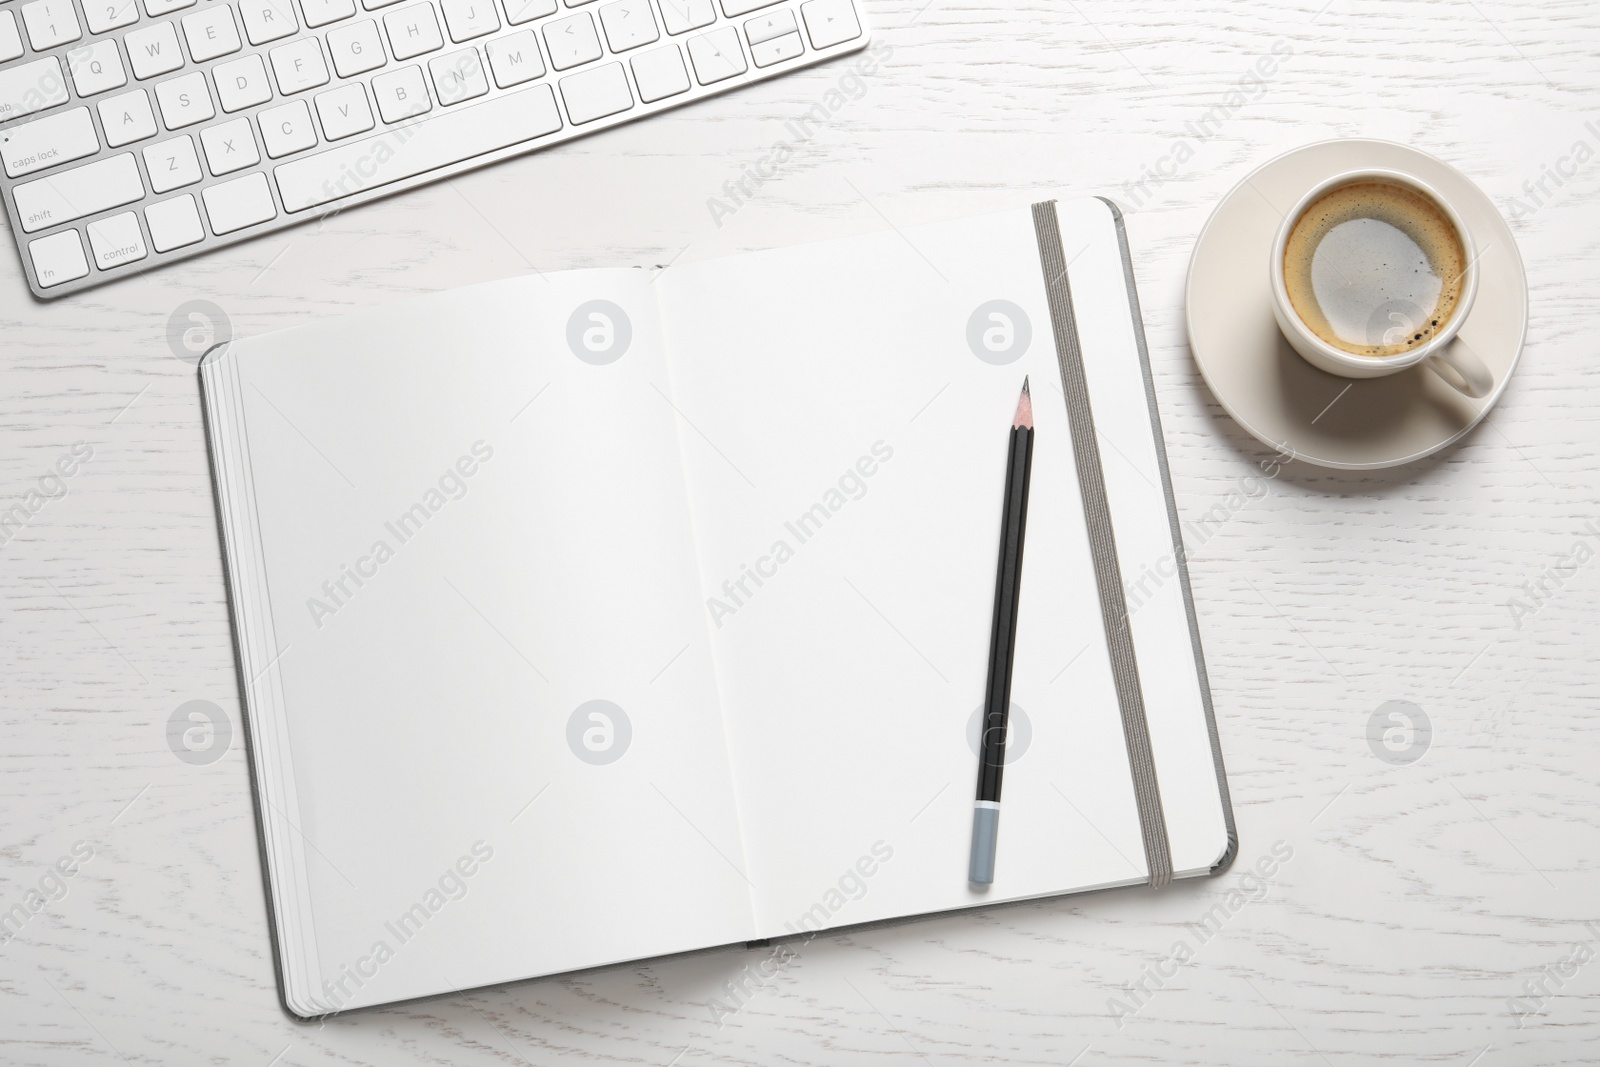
(1002, 646)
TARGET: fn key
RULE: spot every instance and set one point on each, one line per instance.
(596, 93)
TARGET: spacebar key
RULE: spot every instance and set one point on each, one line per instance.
(416, 147)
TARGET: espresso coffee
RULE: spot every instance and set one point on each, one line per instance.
(1374, 268)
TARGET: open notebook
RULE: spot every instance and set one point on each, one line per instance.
(593, 616)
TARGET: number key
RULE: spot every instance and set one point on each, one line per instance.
(51, 22)
(103, 15)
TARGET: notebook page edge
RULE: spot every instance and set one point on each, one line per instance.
(270, 765)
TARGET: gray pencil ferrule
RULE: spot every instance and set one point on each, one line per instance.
(985, 836)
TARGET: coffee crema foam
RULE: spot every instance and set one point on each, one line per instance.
(1374, 268)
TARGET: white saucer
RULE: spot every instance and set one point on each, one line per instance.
(1289, 404)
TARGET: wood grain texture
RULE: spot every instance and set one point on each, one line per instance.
(1418, 899)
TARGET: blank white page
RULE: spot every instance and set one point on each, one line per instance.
(852, 673)
(538, 557)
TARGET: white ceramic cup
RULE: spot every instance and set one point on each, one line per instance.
(1440, 353)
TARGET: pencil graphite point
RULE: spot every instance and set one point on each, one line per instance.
(1024, 408)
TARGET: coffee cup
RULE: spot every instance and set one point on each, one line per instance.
(1373, 272)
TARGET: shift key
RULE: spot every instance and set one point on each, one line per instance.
(72, 194)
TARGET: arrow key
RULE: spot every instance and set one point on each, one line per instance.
(767, 27)
(776, 50)
(830, 22)
(716, 55)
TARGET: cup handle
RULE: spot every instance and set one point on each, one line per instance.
(1461, 370)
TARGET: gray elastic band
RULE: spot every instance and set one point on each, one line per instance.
(1103, 545)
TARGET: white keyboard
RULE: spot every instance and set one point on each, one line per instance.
(133, 132)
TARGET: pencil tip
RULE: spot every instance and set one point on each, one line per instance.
(1024, 408)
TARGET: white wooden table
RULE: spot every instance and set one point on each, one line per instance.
(1421, 899)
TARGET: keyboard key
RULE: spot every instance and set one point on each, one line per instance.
(681, 16)
(520, 11)
(629, 24)
(515, 59)
(239, 203)
(58, 258)
(230, 146)
(344, 111)
(174, 223)
(50, 22)
(466, 19)
(298, 66)
(162, 7)
(172, 164)
(458, 76)
(103, 15)
(153, 50)
(716, 55)
(48, 142)
(596, 93)
(578, 3)
(449, 137)
(10, 38)
(211, 33)
(321, 12)
(116, 240)
(401, 94)
(776, 50)
(356, 48)
(267, 20)
(184, 101)
(768, 26)
(108, 15)
(412, 31)
(829, 22)
(127, 118)
(287, 129)
(373, 5)
(735, 8)
(72, 194)
(571, 41)
(96, 68)
(241, 83)
(660, 74)
(31, 87)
